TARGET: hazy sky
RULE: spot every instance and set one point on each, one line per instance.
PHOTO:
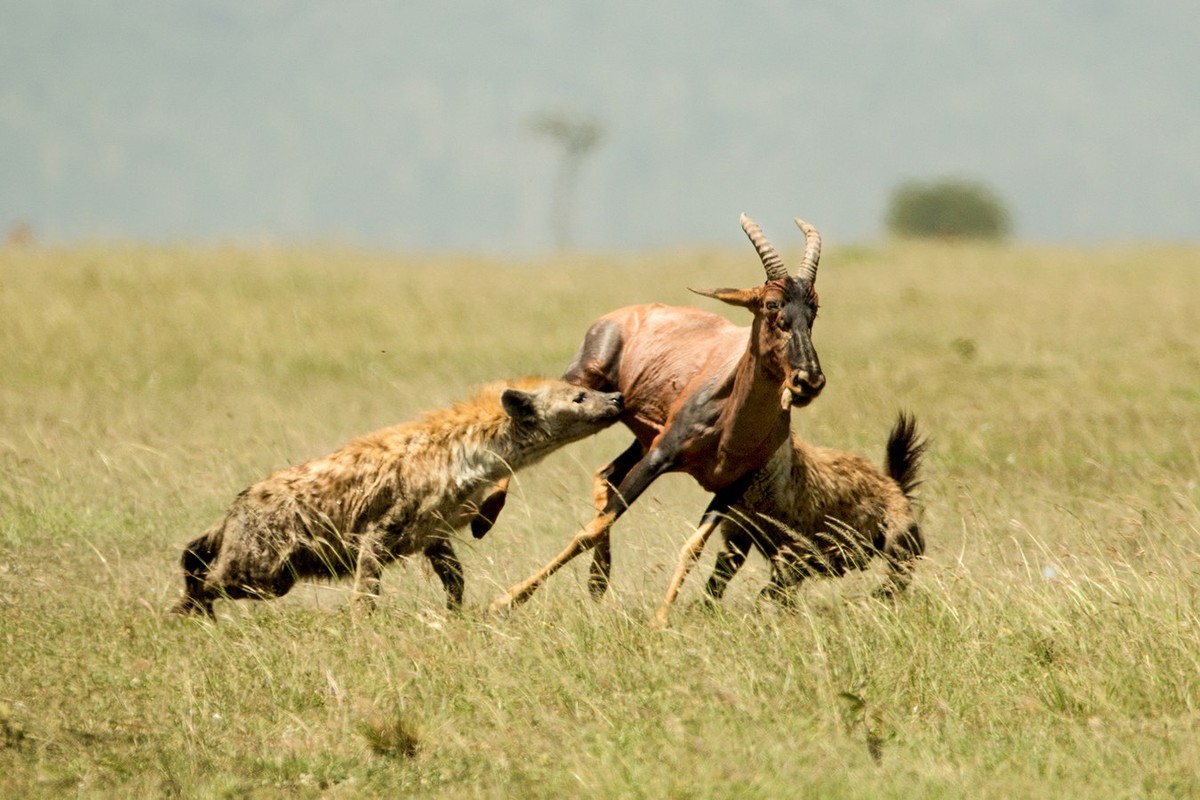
(409, 125)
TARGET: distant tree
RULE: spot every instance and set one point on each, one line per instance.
(20, 234)
(951, 208)
(577, 136)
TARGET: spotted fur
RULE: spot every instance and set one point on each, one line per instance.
(817, 511)
(399, 491)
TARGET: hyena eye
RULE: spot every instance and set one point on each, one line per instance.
(579, 398)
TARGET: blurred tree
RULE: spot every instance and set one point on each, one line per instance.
(578, 136)
(949, 208)
(20, 234)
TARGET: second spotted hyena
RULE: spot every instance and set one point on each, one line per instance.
(396, 492)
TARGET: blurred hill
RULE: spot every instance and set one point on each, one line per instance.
(407, 125)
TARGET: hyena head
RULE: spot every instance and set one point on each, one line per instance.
(554, 412)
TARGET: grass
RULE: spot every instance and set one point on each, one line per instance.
(1048, 647)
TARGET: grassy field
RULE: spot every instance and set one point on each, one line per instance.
(1049, 647)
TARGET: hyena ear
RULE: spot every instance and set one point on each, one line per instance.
(521, 406)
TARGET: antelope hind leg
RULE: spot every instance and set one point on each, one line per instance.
(603, 491)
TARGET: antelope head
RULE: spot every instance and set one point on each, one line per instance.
(784, 309)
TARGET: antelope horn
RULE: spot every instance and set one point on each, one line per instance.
(770, 259)
(812, 251)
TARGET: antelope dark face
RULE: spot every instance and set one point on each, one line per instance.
(784, 311)
(788, 313)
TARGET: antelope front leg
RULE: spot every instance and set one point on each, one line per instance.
(689, 555)
(655, 463)
(584, 540)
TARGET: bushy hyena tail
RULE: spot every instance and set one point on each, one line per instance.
(197, 559)
(904, 542)
(904, 451)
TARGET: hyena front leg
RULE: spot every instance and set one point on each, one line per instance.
(198, 596)
(488, 507)
(449, 569)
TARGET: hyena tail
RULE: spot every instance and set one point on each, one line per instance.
(904, 542)
(904, 451)
(197, 558)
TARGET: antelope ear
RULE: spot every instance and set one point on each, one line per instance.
(745, 298)
(521, 406)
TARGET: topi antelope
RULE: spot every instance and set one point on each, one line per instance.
(397, 492)
(817, 511)
(702, 396)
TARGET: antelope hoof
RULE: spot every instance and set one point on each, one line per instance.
(362, 609)
(659, 621)
(501, 606)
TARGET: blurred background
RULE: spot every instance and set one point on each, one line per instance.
(520, 128)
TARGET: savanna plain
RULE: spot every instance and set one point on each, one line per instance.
(1048, 647)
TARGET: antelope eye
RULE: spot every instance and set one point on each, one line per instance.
(772, 306)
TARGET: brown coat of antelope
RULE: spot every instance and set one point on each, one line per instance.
(702, 396)
(399, 491)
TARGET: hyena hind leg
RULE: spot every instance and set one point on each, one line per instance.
(787, 573)
(368, 570)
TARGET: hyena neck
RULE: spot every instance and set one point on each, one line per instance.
(488, 456)
(486, 444)
(515, 447)
(786, 474)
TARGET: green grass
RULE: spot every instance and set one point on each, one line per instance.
(1049, 645)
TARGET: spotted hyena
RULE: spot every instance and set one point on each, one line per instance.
(396, 492)
(818, 511)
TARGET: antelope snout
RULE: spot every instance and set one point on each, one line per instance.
(805, 386)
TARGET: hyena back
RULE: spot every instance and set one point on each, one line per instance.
(399, 491)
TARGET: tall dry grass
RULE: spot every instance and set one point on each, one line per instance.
(1049, 645)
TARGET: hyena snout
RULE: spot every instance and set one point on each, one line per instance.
(613, 403)
(589, 411)
(591, 403)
